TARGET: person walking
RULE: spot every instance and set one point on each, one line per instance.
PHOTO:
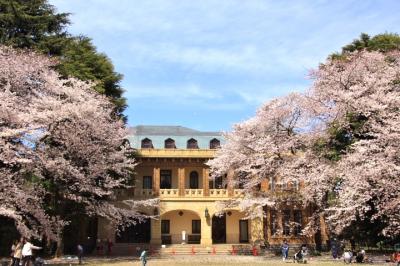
(16, 250)
(285, 250)
(334, 248)
(109, 247)
(143, 257)
(27, 253)
(13, 246)
(79, 250)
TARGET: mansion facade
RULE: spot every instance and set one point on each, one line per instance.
(172, 167)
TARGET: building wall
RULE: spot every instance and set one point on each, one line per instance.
(232, 226)
(188, 170)
(194, 206)
(178, 223)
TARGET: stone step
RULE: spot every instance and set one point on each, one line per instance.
(121, 249)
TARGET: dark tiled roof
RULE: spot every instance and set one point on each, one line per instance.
(158, 135)
(142, 130)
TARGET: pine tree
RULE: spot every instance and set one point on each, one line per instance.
(36, 25)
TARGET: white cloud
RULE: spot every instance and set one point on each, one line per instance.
(171, 92)
(227, 54)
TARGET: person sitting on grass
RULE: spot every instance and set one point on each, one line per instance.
(301, 255)
(360, 258)
(347, 256)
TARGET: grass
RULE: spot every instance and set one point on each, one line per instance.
(221, 261)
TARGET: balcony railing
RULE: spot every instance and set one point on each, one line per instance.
(174, 193)
(168, 193)
(194, 193)
(177, 153)
(143, 192)
(238, 192)
(218, 193)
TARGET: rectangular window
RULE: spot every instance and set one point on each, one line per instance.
(271, 183)
(219, 182)
(243, 231)
(147, 182)
(165, 179)
(274, 222)
(286, 222)
(196, 227)
(165, 227)
(296, 185)
(297, 217)
(194, 180)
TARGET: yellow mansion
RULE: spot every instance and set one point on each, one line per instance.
(172, 166)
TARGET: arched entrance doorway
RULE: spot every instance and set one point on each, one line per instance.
(135, 233)
(8, 233)
(180, 226)
(218, 229)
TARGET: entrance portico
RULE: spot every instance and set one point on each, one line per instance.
(180, 227)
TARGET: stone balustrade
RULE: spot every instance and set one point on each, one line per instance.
(188, 193)
(169, 193)
(219, 193)
(194, 193)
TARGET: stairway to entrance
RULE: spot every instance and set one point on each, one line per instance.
(127, 249)
(217, 249)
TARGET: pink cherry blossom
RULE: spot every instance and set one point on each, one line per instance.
(58, 133)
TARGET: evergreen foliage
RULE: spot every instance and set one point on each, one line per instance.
(36, 25)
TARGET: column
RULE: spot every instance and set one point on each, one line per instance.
(156, 232)
(206, 239)
(264, 184)
(267, 223)
(279, 221)
(230, 182)
(257, 230)
(156, 181)
(206, 184)
(106, 229)
(324, 230)
(181, 181)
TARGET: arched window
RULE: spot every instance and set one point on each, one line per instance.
(147, 144)
(192, 144)
(194, 180)
(169, 144)
(215, 144)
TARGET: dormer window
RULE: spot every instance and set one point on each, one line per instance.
(147, 144)
(215, 144)
(192, 144)
(169, 144)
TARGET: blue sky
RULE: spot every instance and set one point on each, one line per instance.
(209, 64)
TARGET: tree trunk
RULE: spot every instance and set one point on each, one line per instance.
(60, 246)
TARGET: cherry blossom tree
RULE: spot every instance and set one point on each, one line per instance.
(364, 89)
(60, 144)
(261, 149)
(340, 139)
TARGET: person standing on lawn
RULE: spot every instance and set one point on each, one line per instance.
(27, 253)
(18, 252)
(285, 250)
(143, 257)
(79, 250)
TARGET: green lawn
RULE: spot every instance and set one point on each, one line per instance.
(220, 261)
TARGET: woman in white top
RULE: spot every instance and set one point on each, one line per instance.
(27, 253)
